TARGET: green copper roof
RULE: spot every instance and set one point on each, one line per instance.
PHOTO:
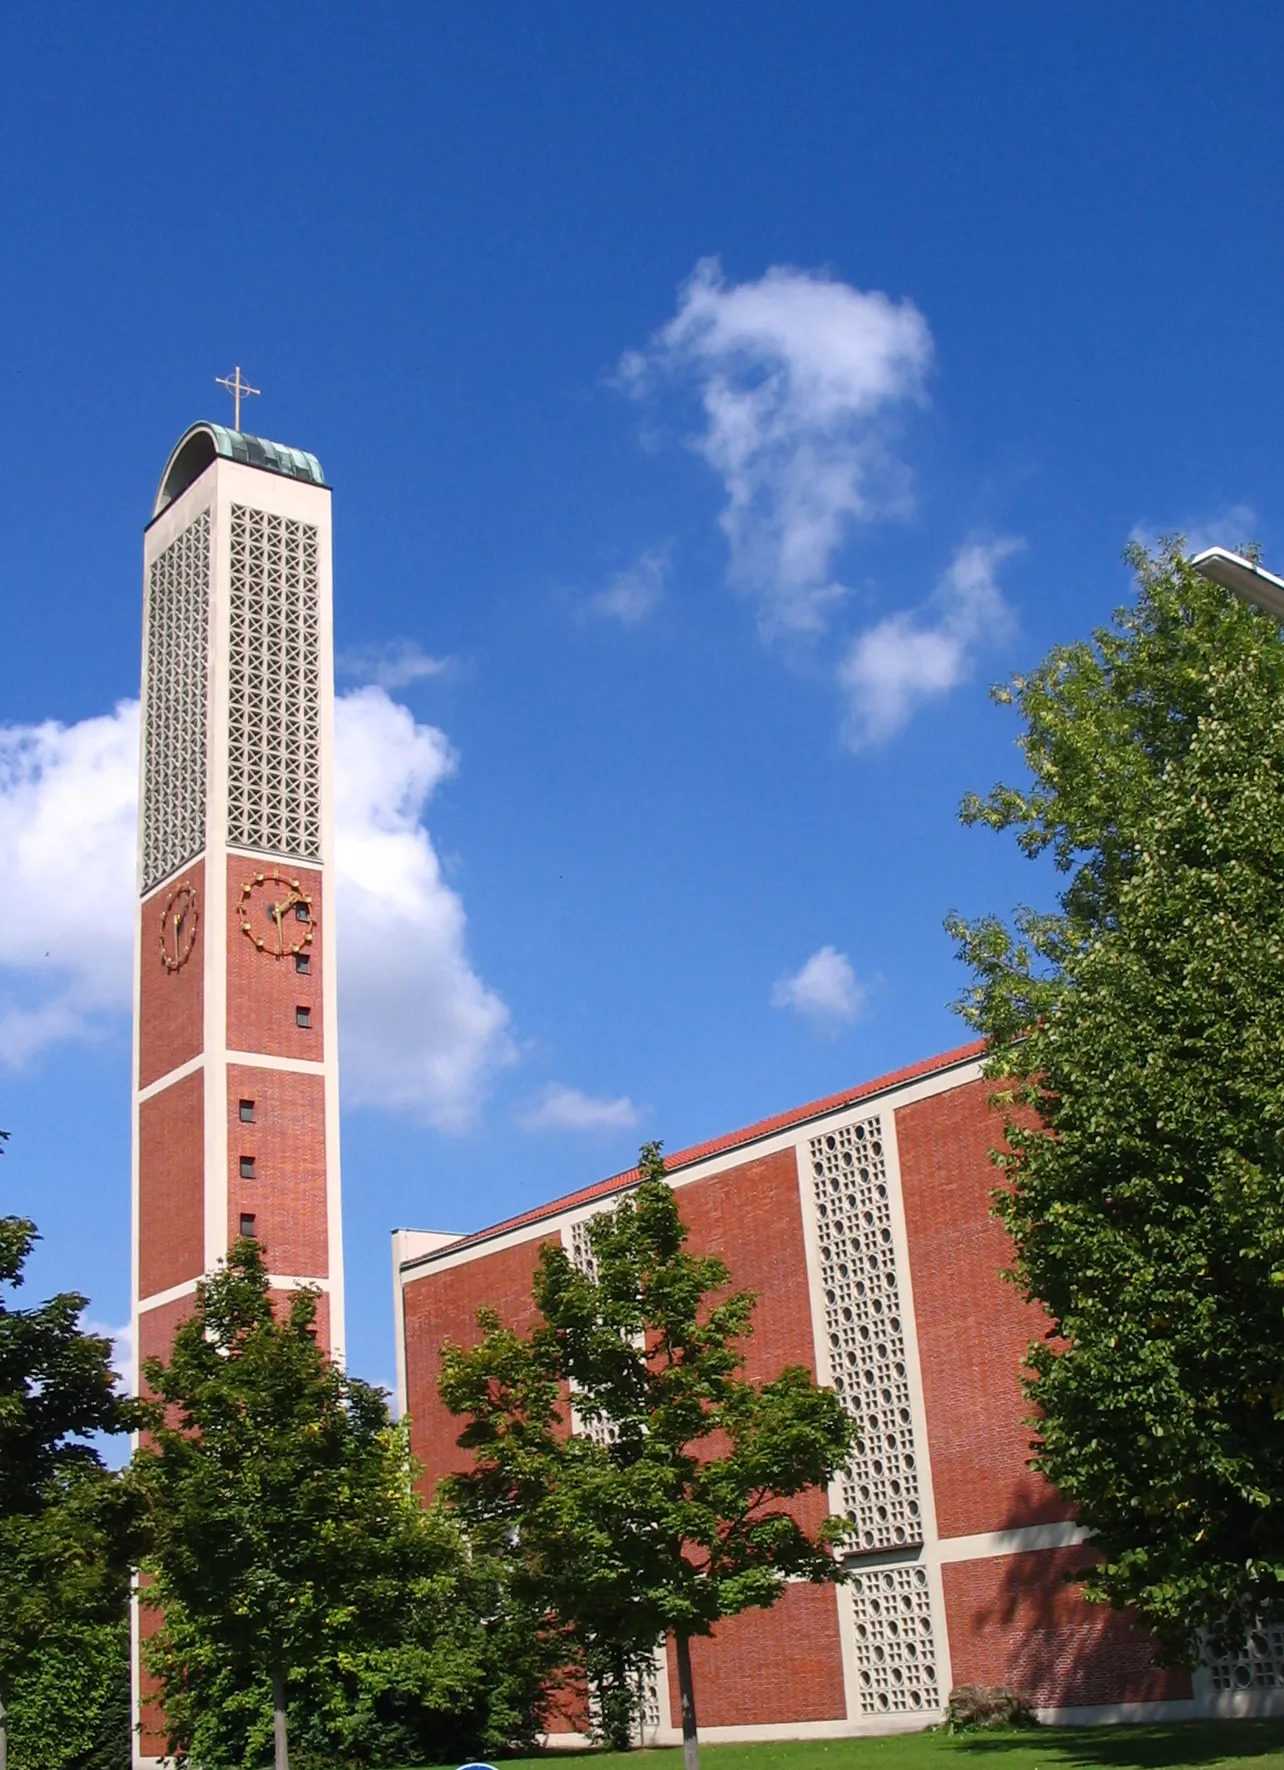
(197, 447)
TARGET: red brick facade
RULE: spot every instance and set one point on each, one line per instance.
(265, 993)
(171, 1005)
(446, 1310)
(1014, 1620)
(285, 1141)
(1002, 1611)
(973, 1327)
(157, 1327)
(153, 1739)
(171, 1201)
(768, 1667)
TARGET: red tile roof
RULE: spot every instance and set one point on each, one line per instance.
(699, 1152)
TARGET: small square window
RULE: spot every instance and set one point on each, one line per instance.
(302, 963)
(247, 1167)
(247, 1223)
(303, 1017)
(247, 1112)
(301, 912)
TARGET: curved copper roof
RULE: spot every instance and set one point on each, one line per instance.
(197, 447)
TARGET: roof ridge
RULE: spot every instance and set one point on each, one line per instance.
(698, 1152)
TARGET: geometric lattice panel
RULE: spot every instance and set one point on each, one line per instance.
(581, 1249)
(647, 1718)
(867, 1355)
(177, 674)
(1259, 1666)
(581, 1255)
(274, 683)
(895, 1654)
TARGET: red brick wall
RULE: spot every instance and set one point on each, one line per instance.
(751, 1217)
(1013, 1620)
(156, 1330)
(784, 1664)
(443, 1306)
(779, 1665)
(973, 1327)
(323, 1320)
(157, 1327)
(171, 1185)
(171, 1003)
(282, 1301)
(154, 1742)
(287, 1195)
(263, 991)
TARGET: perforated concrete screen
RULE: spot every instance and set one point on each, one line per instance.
(1259, 1667)
(866, 1337)
(580, 1248)
(274, 686)
(174, 710)
(895, 1653)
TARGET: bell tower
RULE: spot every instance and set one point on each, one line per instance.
(236, 1108)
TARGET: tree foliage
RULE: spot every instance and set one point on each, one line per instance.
(293, 1565)
(668, 1509)
(57, 1385)
(1144, 1187)
(67, 1527)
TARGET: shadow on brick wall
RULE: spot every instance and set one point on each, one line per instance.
(1025, 1623)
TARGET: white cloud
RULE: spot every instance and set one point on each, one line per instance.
(907, 658)
(566, 1109)
(66, 924)
(394, 665)
(122, 1352)
(1233, 526)
(798, 375)
(824, 991)
(420, 1030)
(632, 594)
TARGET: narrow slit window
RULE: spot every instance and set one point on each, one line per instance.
(302, 964)
(302, 912)
(247, 1112)
(303, 1017)
(247, 1223)
(247, 1167)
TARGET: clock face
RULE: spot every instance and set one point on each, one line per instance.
(178, 927)
(276, 914)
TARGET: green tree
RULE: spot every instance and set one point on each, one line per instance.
(302, 1586)
(1144, 1182)
(65, 1522)
(667, 1509)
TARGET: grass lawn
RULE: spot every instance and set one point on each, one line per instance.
(1223, 1745)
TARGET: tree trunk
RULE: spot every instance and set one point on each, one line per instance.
(686, 1691)
(281, 1760)
(4, 1735)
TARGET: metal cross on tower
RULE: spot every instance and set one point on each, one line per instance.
(236, 387)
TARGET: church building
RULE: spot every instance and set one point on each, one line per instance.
(863, 1223)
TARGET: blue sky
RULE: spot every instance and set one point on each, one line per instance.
(717, 398)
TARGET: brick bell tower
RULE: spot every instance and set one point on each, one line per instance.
(236, 1108)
